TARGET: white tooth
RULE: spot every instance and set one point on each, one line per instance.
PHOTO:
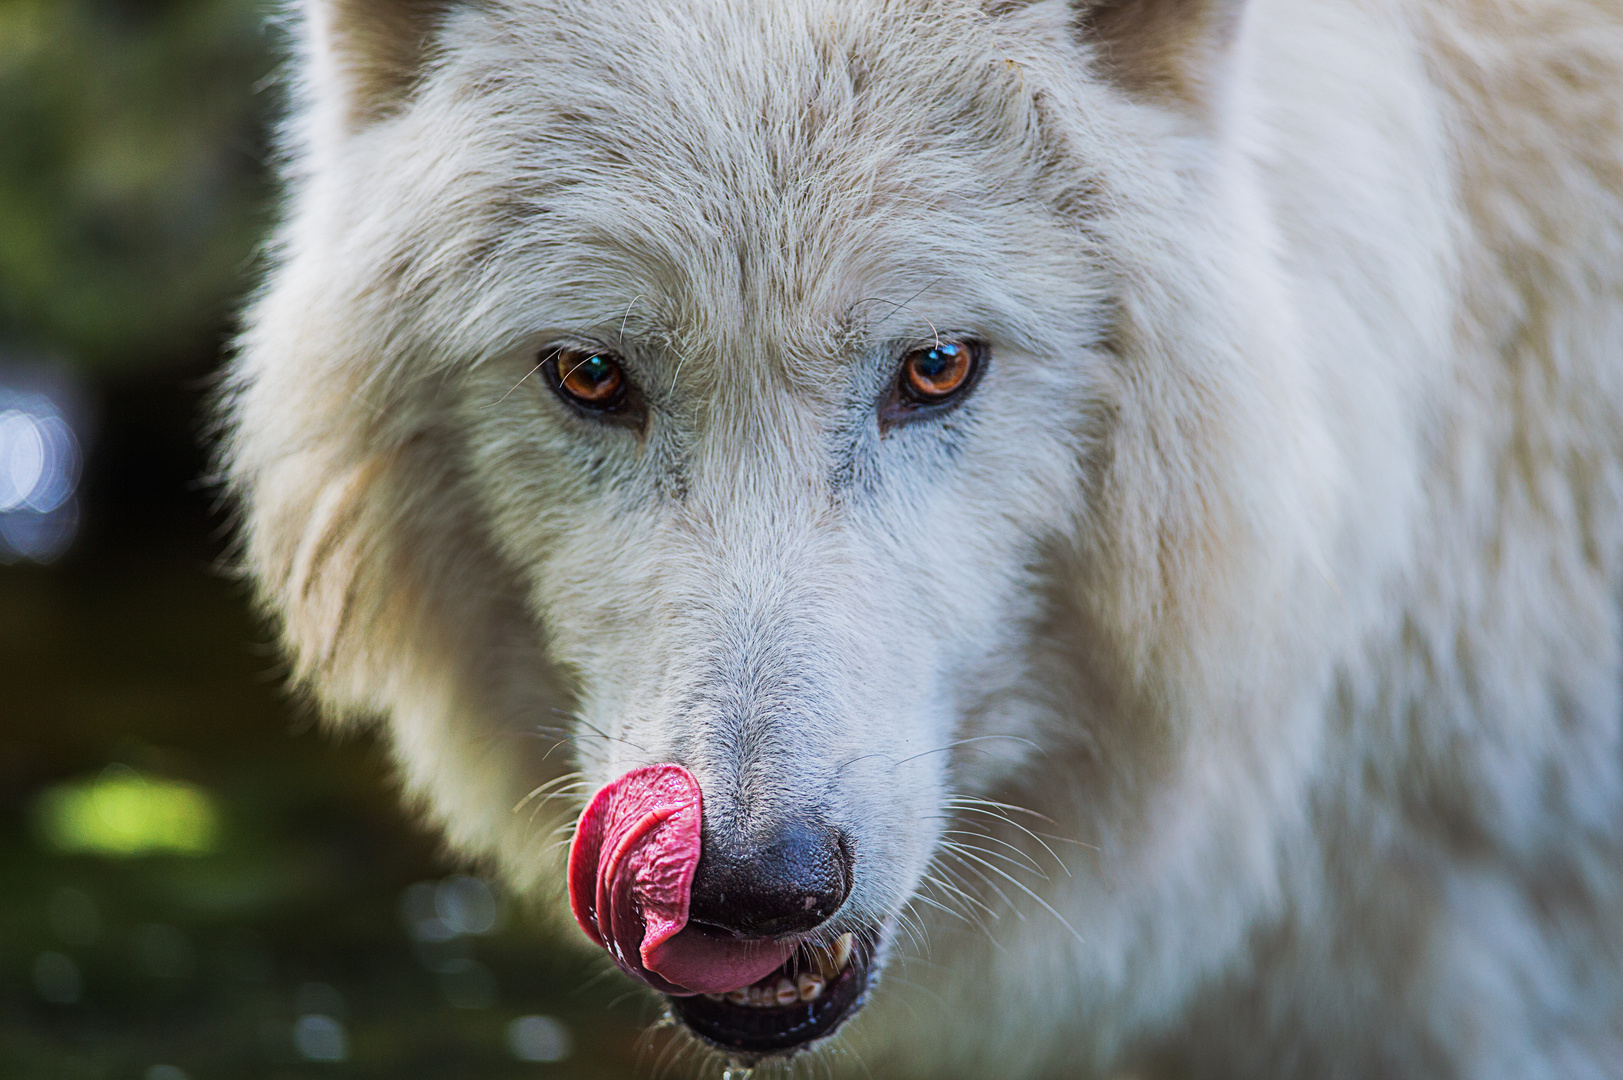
(738, 997)
(842, 950)
(787, 994)
(716, 997)
(809, 986)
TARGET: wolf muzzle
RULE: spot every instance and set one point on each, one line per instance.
(692, 912)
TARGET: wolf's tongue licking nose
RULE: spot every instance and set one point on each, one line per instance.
(631, 871)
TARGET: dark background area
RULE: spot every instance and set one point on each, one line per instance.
(197, 882)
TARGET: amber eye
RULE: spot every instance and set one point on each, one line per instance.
(591, 380)
(938, 371)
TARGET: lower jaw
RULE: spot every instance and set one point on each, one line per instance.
(753, 1031)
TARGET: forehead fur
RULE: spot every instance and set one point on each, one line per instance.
(717, 173)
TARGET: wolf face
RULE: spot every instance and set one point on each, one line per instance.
(879, 422)
(772, 558)
(736, 392)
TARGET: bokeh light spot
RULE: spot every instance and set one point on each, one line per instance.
(466, 905)
(22, 457)
(122, 814)
(539, 1038)
(39, 470)
(318, 1037)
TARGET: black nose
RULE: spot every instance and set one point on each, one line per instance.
(786, 882)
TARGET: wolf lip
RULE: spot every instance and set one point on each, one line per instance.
(828, 984)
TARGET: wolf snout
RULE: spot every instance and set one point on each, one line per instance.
(690, 906)
(787, 879)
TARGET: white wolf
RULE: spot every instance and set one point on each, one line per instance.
(1196, 422)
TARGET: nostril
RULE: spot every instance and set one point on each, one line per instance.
(787, 882)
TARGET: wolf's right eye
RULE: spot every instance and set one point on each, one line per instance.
(932, 379)
(589, 380)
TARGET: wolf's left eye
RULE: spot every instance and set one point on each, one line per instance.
(588, 380)
(936, 373)
(931, 378)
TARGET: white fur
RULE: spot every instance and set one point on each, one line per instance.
(1275, 562)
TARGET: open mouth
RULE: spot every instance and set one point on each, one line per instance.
(804, 999)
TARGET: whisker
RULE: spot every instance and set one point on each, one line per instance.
(852, 761)
(950, 849)
(920, 897)
(965, 895)
(626, 316)
(605, 735)
(964, 742)
(539, 364)
(594, 980)
(674, 1050)
(567, 780)
(1000, 856)
(1039, 837)
(515, 386)
(975, 800)
(910, 925)
(677, 374)
(1025, 860)
(896, 308)
(1046, 906)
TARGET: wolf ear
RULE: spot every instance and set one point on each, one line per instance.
(1167, 50)
(366, 55)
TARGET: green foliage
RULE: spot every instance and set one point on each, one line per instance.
(132, 179)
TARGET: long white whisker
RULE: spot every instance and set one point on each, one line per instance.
(1039, 837)
(964, 894)
(973, 800)
(952, 849)
(963, 742)
(1025, 860)
(1046, 906)
(565, 781)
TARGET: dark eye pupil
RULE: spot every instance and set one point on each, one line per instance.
(936, 361)
(591, 380)
(593, 370)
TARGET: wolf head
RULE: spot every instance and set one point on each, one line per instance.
(883, 411)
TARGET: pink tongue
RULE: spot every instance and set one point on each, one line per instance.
(630, 875)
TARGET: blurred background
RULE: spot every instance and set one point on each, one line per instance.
(195, 882)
